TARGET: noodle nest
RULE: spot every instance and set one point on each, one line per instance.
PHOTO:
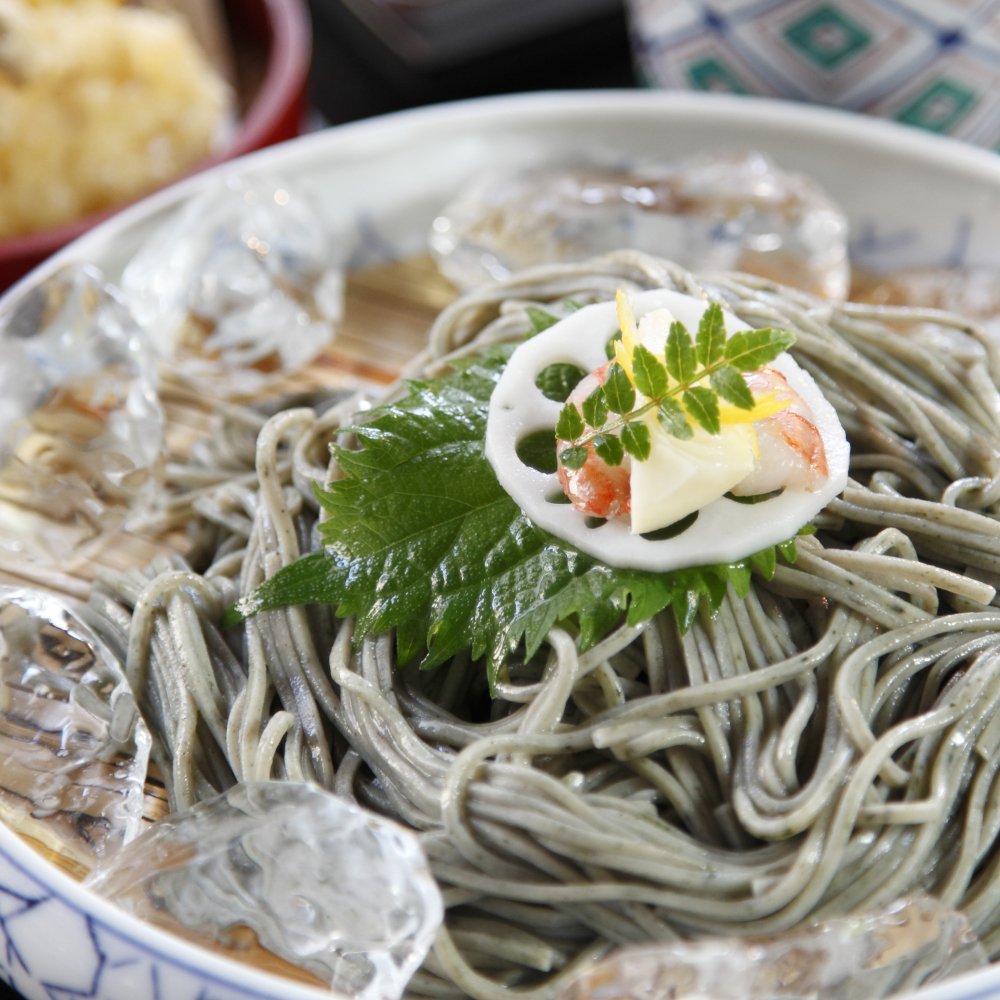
(826, 745)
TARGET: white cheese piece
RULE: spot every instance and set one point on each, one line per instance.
(653, 329)
(724, 529)
(680, 477)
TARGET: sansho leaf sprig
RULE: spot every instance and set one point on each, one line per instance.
(688, 386)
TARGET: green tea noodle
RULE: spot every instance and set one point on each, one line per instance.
(826, 745)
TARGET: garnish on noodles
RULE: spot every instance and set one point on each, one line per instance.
(678, 422)
(443, 528)
(660, 447)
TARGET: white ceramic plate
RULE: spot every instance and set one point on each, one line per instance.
(912, 198)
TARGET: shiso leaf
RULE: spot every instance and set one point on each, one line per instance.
(540, 319)
(422, 540)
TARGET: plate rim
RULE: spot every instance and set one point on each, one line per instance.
(790, 117)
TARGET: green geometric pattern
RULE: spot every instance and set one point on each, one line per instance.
(939, 106)
(926, 63)
(715, 75)
(828, 36)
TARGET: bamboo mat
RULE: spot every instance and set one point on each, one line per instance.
(388, 310)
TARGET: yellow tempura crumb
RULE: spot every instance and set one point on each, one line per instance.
(98, 104)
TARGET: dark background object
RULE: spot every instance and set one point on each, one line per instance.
(376, 56)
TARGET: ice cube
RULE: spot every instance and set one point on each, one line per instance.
(73, 750)
(721, 211)
(875, 954)
(81, 427)
(970, 291)
(321, 882)
(244, 285)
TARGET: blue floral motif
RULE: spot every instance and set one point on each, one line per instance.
(883, 249)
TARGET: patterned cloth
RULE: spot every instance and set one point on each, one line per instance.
(929, 63)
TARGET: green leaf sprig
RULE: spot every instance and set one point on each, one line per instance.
(690, 385)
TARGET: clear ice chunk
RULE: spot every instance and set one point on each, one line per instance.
(970, 291)
(81, 427)
(906, 944)
(322, 883)
(73, 749)
(243, 285)
(722, 211)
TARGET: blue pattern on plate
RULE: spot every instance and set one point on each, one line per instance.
(50, 948)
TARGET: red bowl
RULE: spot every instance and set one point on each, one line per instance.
(273, 40)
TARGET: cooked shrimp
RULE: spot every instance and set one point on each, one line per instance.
(596, 488)
(790, 446)
(790, 452)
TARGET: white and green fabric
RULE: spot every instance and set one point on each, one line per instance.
(929, 63)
